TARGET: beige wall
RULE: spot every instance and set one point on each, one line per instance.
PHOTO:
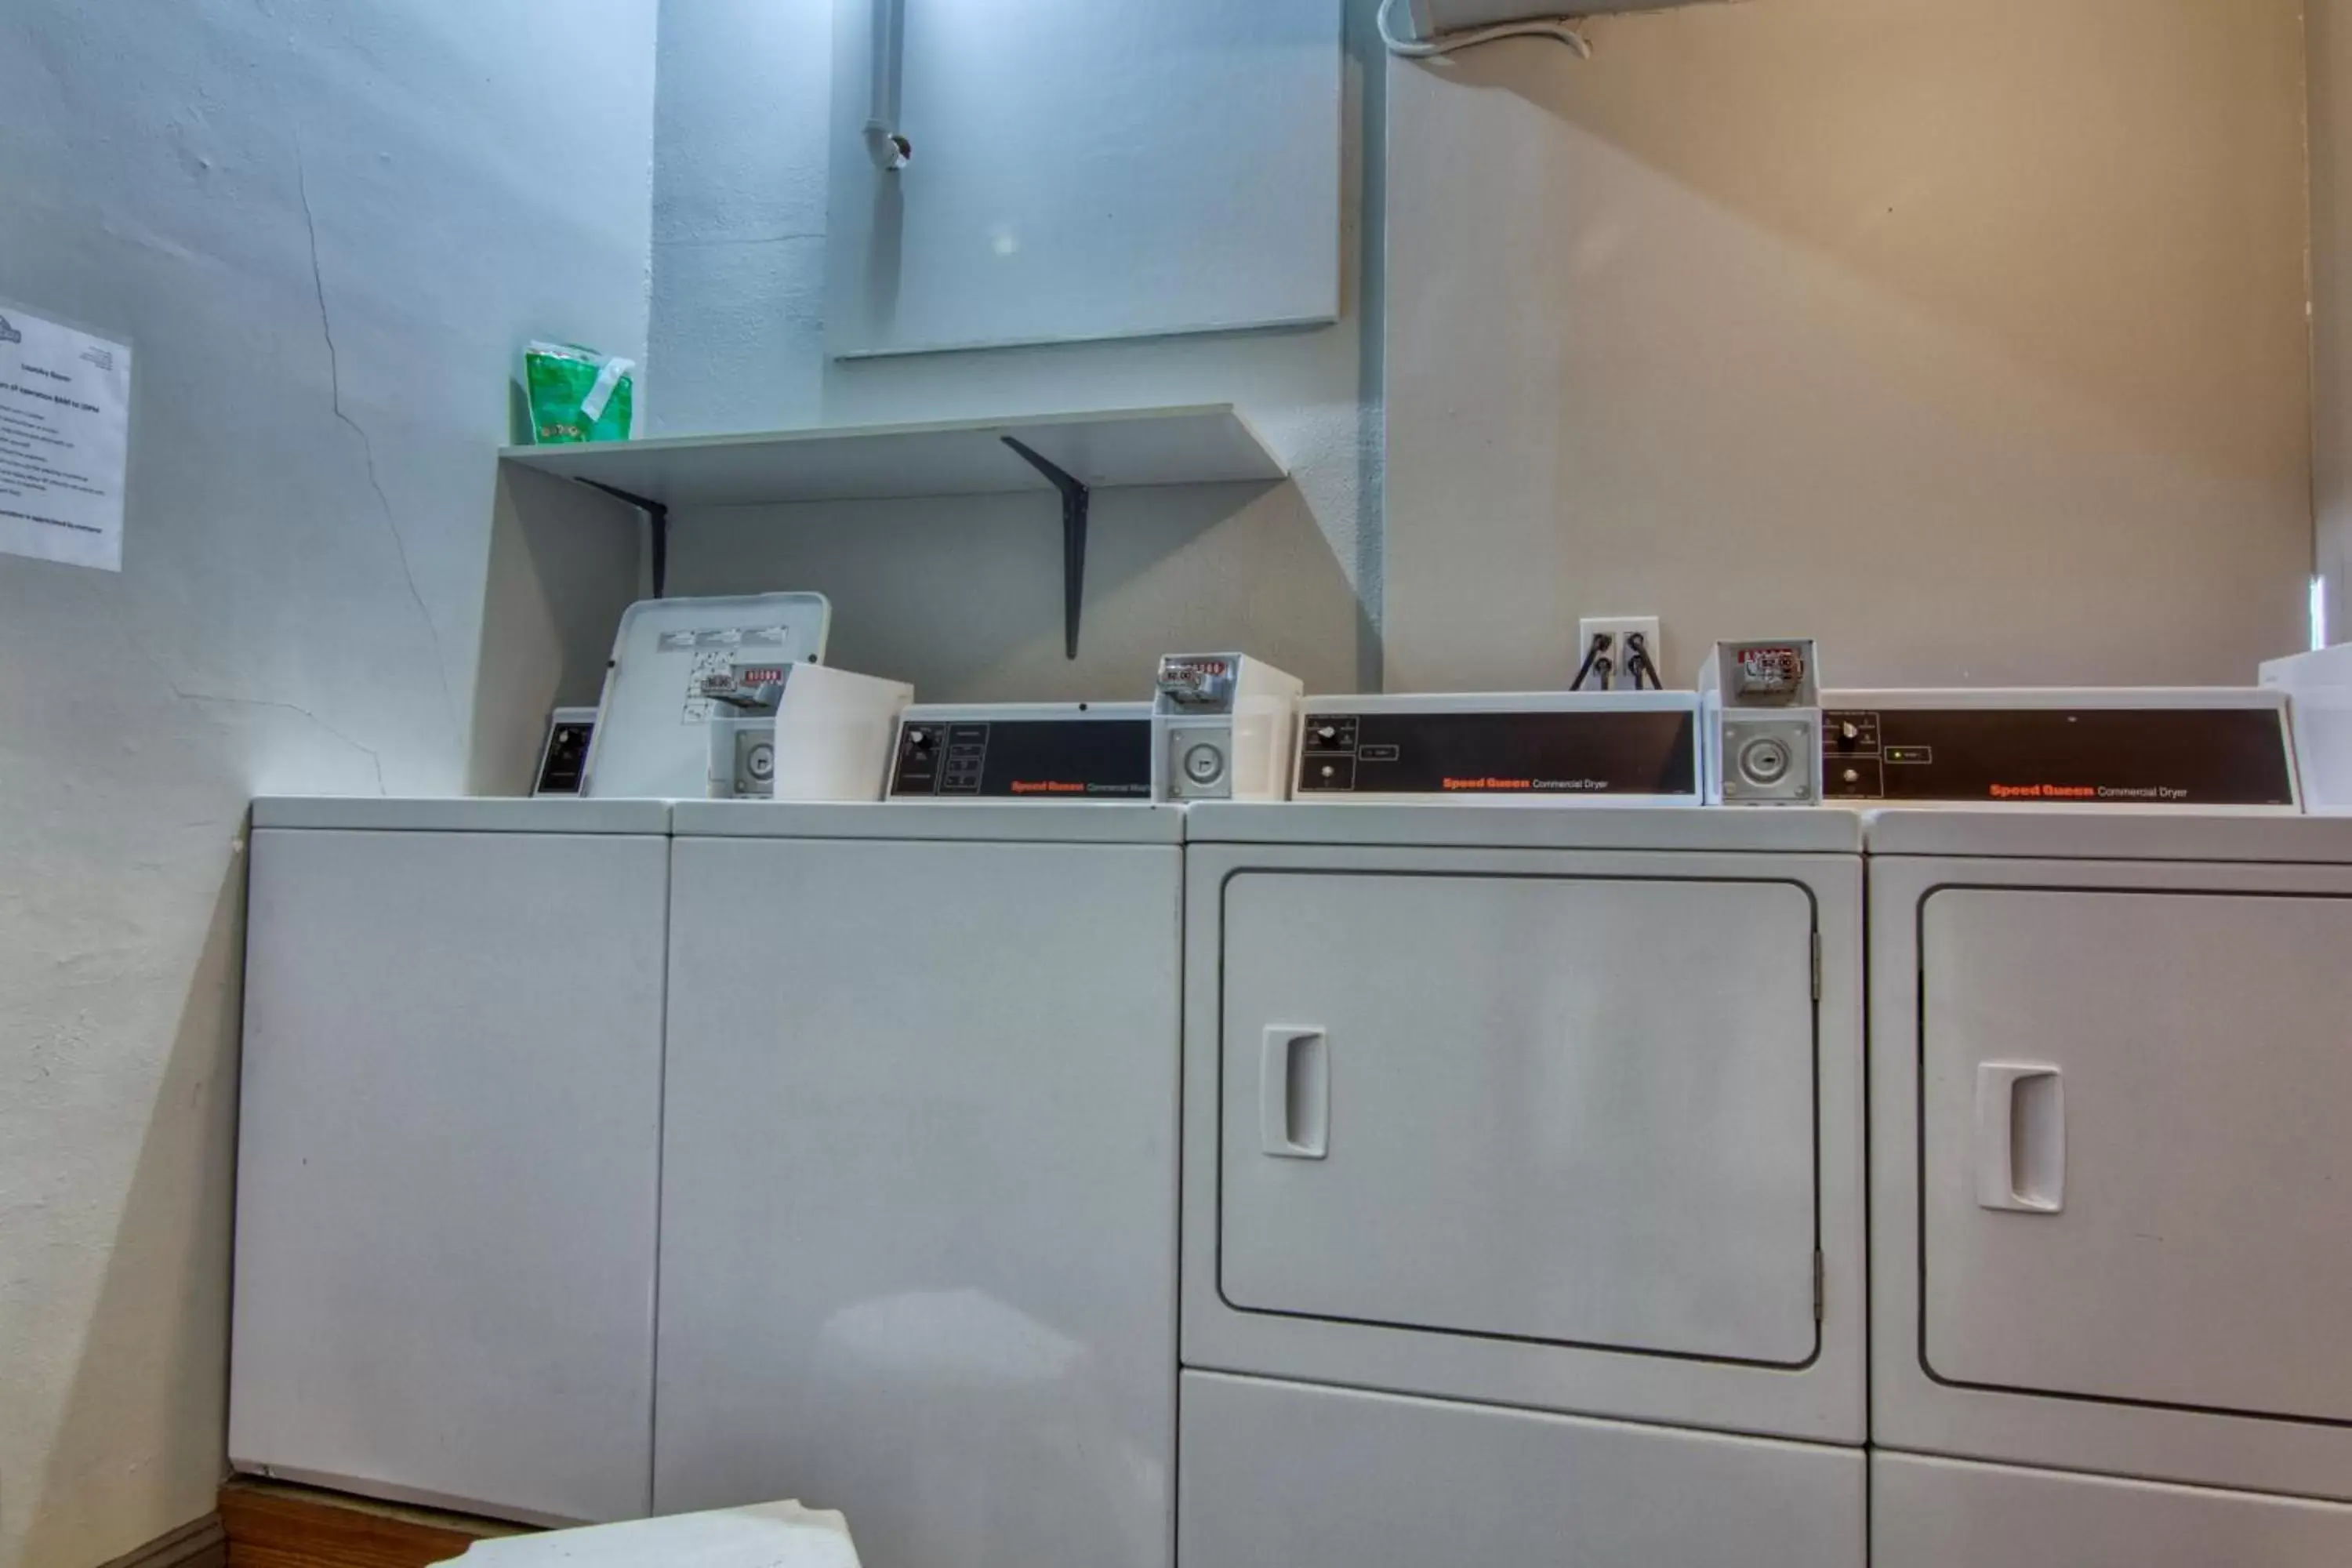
(1967, 337)
(2328, 24)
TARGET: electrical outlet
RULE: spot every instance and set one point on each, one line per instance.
(1620, 630)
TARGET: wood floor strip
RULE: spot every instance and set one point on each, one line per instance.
(272, 1525)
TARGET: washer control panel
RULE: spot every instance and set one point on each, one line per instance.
(1086, 754)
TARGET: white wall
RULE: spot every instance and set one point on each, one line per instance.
(1967, 337)
(325, 230)
(964, 597)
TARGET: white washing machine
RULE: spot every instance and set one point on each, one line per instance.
(918, 1201)
(1523, 1187)
(2112, 1266)
(449, 1151)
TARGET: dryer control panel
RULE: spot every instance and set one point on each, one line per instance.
(1398, 749)
(1933, 748)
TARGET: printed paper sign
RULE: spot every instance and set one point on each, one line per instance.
(65, 427)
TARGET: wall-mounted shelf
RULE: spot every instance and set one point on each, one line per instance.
(1072, 454)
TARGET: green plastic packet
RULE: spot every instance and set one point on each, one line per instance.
(577, 393)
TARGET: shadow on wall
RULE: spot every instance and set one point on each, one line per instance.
(564, 562)
(964, 597)
(156, 1311)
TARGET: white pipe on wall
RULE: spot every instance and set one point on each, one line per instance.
(889, 150)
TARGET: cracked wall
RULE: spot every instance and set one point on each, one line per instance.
(326, 231)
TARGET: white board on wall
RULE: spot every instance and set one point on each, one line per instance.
(1085, 169)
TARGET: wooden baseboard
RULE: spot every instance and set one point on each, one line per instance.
(270, 1524)
(199, 1545)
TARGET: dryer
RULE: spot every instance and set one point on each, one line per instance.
(1522, 1202)
(2110, 1269)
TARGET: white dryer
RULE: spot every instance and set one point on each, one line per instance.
(1523, 1204)
(2112, 1266)
(918, 1197)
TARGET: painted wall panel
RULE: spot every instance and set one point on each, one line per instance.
(1083, 171)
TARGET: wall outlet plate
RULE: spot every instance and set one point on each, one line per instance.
(1619, 628)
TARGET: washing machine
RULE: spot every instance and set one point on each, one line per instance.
(919, 1200)
(1523, 1155)
(2110, 1179)
(448, 1154)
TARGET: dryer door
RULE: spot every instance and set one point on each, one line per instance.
(1557, 1110)
(2134, 1165)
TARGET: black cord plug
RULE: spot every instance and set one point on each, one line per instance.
(1595, 659)
(1639, 665)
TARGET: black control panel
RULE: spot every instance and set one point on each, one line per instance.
(2058, 756)
(1647, 752)
(1075, 758)
(566, 760)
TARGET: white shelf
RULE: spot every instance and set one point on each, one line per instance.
(1205, 443)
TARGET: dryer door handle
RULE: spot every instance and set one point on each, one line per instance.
(1294, 1093)
(2020, 1138)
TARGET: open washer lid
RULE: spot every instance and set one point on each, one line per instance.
(652, 737)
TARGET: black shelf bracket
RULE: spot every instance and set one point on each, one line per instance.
(1075, 500)
(656, 527)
